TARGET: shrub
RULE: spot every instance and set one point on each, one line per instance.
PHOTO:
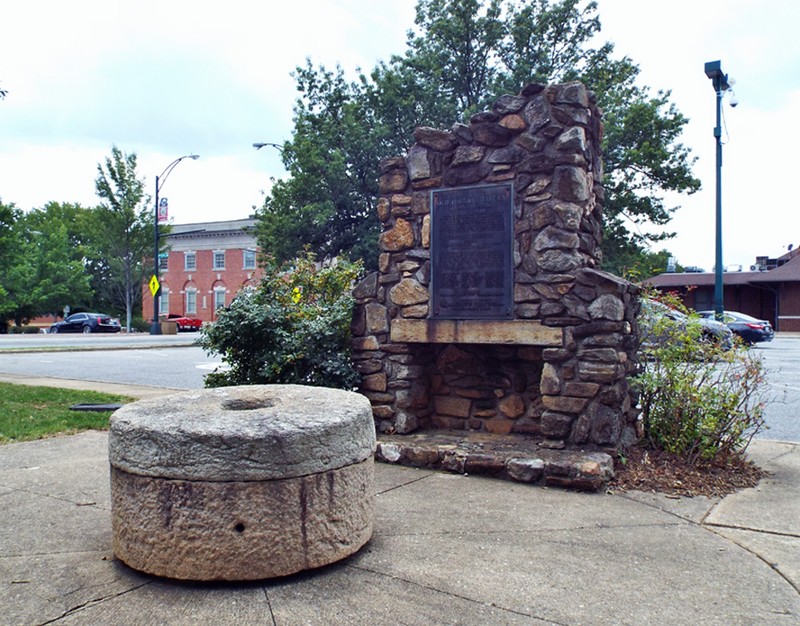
(293, 328)
(24, 330)
(138, 324)
(699, 400)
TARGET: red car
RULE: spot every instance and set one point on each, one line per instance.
(184, 322)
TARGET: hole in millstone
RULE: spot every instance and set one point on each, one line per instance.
(247, 404)
(239, 528)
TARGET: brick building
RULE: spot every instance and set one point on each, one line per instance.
(207, 264)
(770, 291)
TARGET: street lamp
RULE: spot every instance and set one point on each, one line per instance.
(719, 81)
(260, 145)
(155, 327)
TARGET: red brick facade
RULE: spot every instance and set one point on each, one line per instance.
(207, 264)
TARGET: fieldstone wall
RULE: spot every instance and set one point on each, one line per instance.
(557, 370)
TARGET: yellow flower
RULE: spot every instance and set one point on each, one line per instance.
(296, 295)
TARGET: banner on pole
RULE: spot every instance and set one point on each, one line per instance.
(163, 210)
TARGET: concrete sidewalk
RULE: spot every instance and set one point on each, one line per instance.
(447, 549)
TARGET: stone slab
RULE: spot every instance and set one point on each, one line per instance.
(195, 530)
(258, 432)
(513, 457)
(515, 332)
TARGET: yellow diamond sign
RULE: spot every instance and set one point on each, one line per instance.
(154, 285)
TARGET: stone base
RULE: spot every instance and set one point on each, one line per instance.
(510, 457)
(196, 530)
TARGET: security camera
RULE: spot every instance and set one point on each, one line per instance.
(734, 101)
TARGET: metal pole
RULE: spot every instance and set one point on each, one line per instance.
(155, 327)
(718, 286)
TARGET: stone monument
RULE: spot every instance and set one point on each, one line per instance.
(489, 312)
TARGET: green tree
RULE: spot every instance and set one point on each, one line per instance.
(121, 232)
(11, 255)
(329, 198)
(42, 264)
(461, 57)
(8, 217)
(61, 276)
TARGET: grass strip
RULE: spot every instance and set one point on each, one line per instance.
(28, 412)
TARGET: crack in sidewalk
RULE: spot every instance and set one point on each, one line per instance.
(457, 596)
(93, 602)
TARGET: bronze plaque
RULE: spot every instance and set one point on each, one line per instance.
(471, 253)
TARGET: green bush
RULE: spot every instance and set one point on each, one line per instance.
(293, 328)
(24, 330)
(699, 400)
(138, 324)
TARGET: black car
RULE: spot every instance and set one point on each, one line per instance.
(659, 323)
(750, 329)
(86, 323)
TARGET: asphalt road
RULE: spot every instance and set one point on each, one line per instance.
(782, 364)
(166, 361)
(171, 361)
(98, 341)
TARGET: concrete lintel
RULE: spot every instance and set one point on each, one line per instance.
(521, 332)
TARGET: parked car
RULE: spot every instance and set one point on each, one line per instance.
(86, 323)
(750, 329)
(185, 322)
(652, 332)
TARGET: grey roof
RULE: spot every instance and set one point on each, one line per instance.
(213, 228)
(788, 272)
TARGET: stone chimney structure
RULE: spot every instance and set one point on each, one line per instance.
(489, 311)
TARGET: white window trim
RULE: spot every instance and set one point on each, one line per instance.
(190, 310)
(222, 291)
(186, 256)
(214, 266)
(163, 306)
(245, 254)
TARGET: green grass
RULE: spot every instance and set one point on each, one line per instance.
(28, 413)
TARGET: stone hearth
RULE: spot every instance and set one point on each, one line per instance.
(548, 364)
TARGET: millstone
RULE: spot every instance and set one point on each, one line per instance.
(241, 483)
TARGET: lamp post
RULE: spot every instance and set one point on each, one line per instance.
(719, 81)
(155, 326)
(260, 145)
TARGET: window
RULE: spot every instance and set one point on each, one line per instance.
(163, 302)
(190, 261)
(163, 261)
(219, 298)
(703, 299)
(219, 259)
(249, 259)
(191, 302)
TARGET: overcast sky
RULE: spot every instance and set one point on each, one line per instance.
(169, 78)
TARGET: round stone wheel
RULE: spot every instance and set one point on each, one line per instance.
(241, 483)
